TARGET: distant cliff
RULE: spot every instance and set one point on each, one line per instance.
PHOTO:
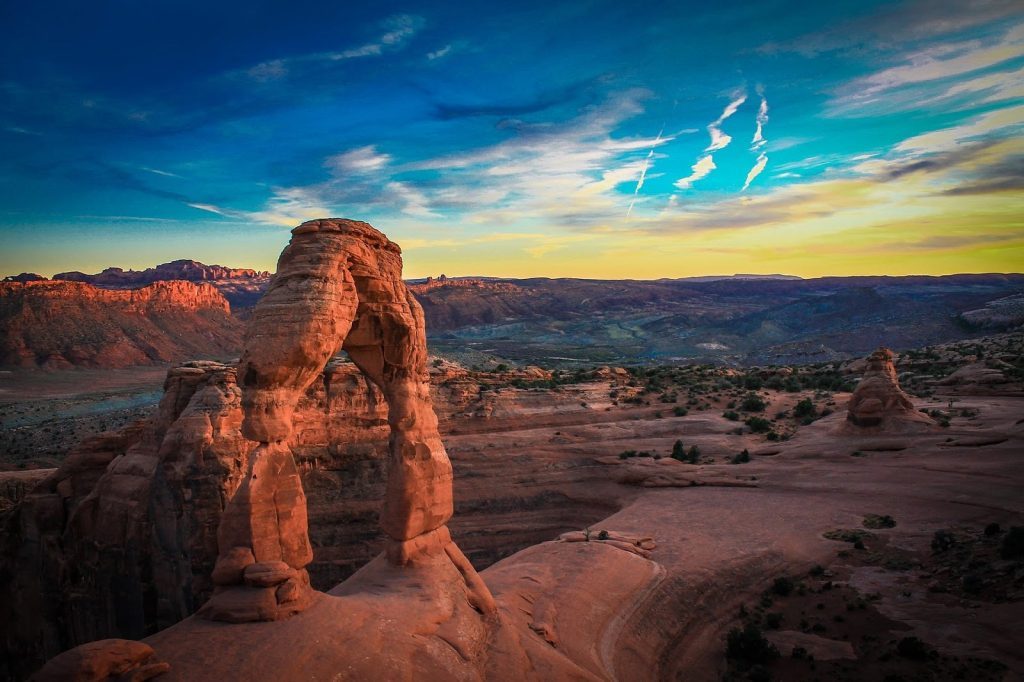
(55, 325)
(188, 270)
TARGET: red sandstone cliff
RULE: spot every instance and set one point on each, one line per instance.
(122, 538)
(63, 324)
(188, 270)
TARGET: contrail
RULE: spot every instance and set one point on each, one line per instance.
(643, 170)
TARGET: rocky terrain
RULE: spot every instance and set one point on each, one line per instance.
(58, 325)
(734, 321)
(739, 320)
(403, 516)
(187, 270)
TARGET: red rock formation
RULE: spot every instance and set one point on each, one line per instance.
(338, 285)
(188, 270)
(106, 659)
(878, 399)
(25, 277)
(64, 324)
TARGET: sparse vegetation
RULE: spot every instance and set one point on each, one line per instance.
(875, 521)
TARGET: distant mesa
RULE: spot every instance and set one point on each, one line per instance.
(188, 270)
(25, 277)
(443, 281)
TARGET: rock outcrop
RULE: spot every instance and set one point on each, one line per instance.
(338, 285)
(188, 270)
(58, 325)
(878, 400)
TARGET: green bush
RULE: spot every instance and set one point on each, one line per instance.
(876, 521)
(731, 415)
(805, 409)
(749, 646)
(942, 541)
(759, 424)
(1013, 543)
(741, 458)
(783, 586)
(752, 403)
(680, 411)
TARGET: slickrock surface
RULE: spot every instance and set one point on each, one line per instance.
(59, 325)
(878, 400)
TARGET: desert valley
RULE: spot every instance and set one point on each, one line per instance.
(426, 341)
(852, 518)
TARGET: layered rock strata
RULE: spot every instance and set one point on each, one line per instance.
(338, 285)
(878, 399)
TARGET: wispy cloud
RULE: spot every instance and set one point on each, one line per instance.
(762, 161)
(720, 140)
(361, 160)
(440, 52)
(398, 30)
(902, 86)
(762, 118)
(157, 171)
(22, 131)
(700, 170)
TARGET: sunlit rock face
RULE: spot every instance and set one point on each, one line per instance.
(338, 285)
(878, 399)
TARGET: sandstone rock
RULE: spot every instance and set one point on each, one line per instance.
(878, 399)
(45, 324)
(268, 573)
(231, 565)
(103, 660)
(338, 285)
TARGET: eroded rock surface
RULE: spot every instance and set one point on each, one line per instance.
(58, 325)
(338, 285)
(878, 400)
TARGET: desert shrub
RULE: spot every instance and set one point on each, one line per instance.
(731, 415)
(680, 411)
(1013, 544)
(752, 403)
(913, 648)
(805, 409)
(741, 458)
(992, 530)
(603, 535)
(878, 521)
(749, 646)
(630, 454)
(679, 451)
(774, 382)
(752, 383)
(942, 541)
(851, 535)
(759, 424)
(772, 435)
(693, 454)
(773, 620)
(783, 586)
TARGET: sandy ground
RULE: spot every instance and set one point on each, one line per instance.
(619, 616)
(44, 414)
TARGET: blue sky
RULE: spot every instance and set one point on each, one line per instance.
(589, 139)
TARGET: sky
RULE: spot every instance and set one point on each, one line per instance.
(560, 139)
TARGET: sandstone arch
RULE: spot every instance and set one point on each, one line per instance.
(338, 286)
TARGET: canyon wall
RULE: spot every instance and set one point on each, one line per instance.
(58, 325)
